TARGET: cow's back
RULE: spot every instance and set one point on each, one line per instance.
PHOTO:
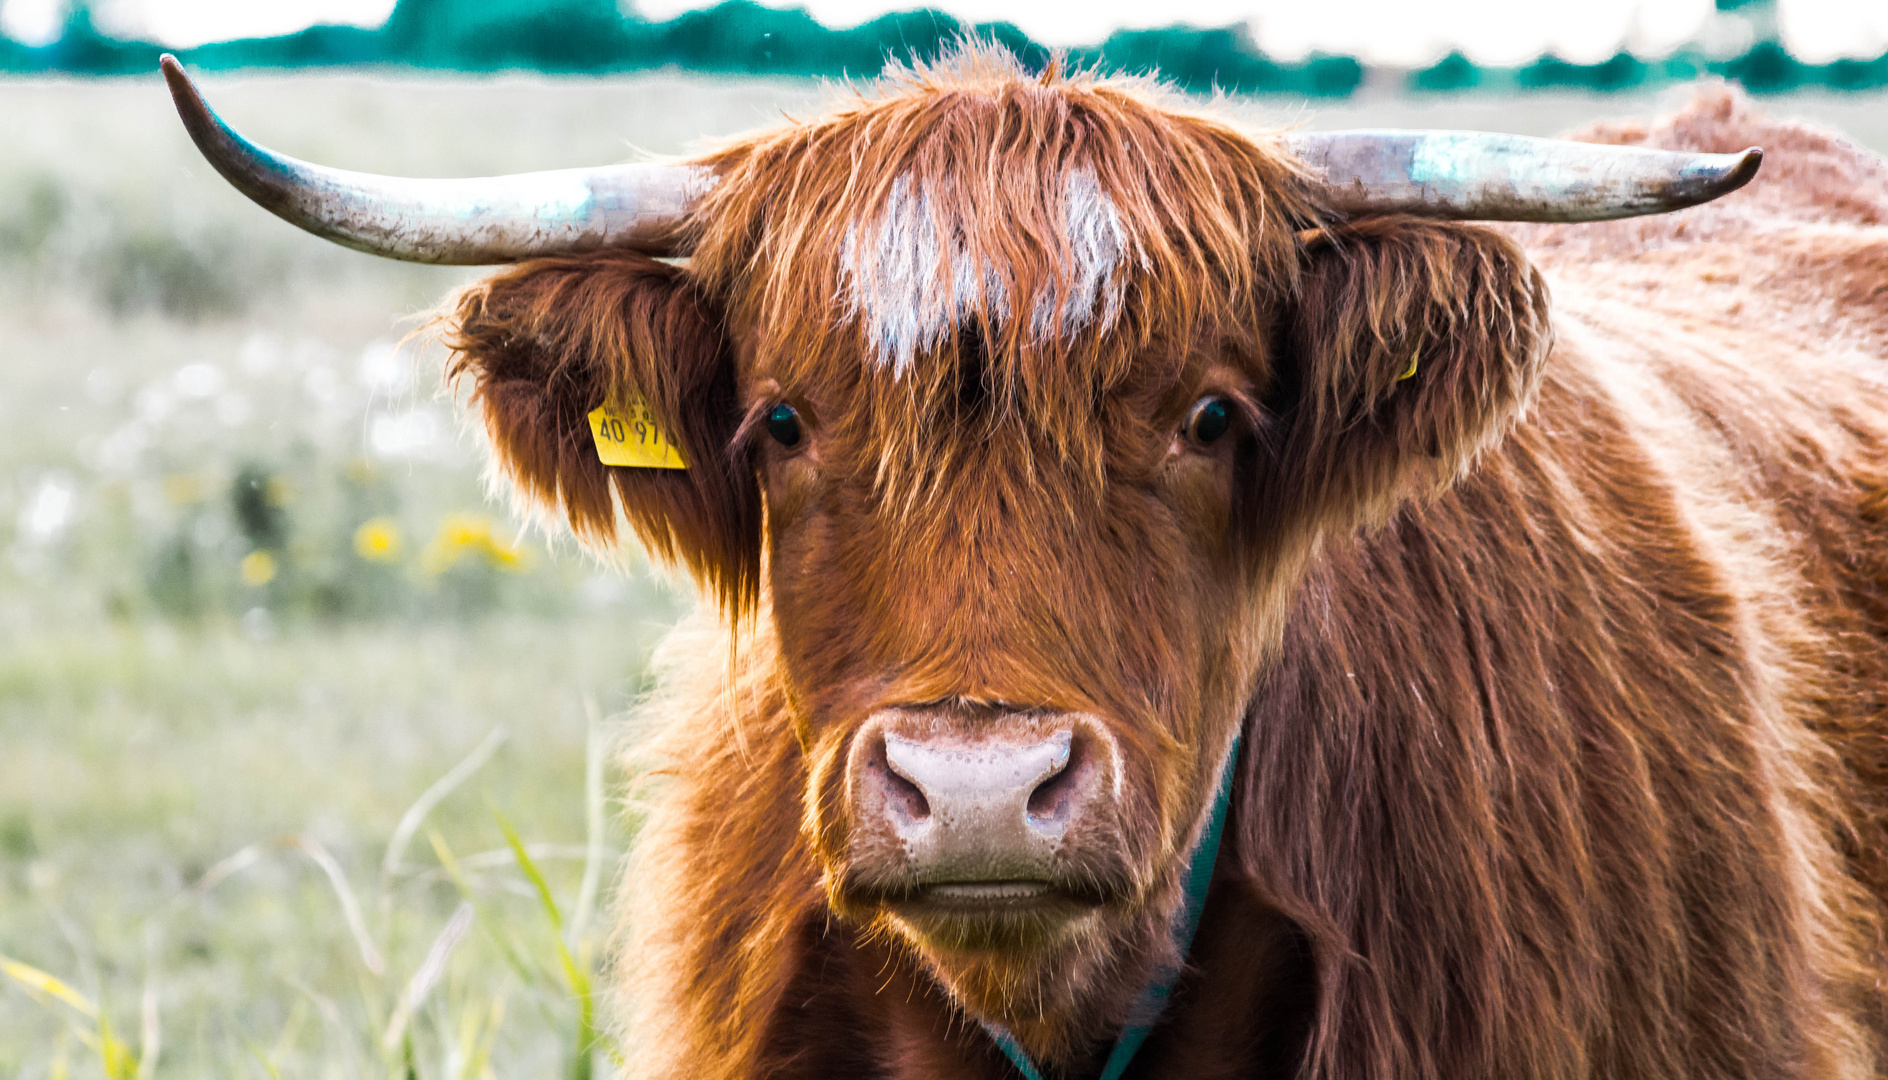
(1747, 342)
(1744, 346)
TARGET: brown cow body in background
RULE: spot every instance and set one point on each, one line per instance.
(1054, 450)
(1576, 770)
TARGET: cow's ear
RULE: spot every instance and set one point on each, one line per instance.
(1411, 347)
(549, 341)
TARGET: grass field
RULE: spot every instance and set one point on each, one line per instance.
(254, 605)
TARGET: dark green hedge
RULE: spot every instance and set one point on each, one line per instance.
(740, 36)
(1766, 68)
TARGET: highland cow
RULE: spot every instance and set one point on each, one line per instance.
(1192, 606)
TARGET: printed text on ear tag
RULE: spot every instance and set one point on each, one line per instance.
(631, 437)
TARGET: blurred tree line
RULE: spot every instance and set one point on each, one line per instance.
(743, 37)
(735, 37)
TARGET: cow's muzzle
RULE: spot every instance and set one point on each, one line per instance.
(985, 811)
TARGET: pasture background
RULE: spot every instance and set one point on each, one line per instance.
(253, 601)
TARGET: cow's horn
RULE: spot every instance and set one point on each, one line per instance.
(1474, 176)
(468, 222)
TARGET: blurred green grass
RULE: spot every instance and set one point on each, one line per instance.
(139, 758)
(254, 602)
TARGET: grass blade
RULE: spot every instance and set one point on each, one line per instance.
(530, 869)
(43, 984)
(449, 862)
(581, 1065)
(268, 1067)
(338, 1033)
(526, 973)
(150, 1028)
(291, 1031)
(428, 973)
(226, 868)
(416, 814)
(337, 878)
(476, 1036)
(595, 747)
(120, 1063)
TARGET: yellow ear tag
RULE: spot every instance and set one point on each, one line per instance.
(1410, 371)
(633, 438)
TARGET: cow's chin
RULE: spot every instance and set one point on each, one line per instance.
(1055, 967)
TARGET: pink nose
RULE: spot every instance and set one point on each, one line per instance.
(978, 809)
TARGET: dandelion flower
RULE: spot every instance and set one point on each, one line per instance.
(463, 535)
(378, 540)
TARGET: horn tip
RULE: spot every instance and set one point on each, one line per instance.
(1745, 170)
(181, 88)
(198, 120)
(1719, 175)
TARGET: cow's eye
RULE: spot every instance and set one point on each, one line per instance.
(783, 423)
(1210, 419)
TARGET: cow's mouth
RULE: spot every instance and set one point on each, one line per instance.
(979, 893)
(975, 895)
(1012, 912)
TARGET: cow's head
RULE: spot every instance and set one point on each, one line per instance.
(1014, 406)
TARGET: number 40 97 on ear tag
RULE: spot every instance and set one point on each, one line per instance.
(633, 438)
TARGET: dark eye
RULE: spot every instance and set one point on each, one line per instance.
(783, 423)
(1211, 418)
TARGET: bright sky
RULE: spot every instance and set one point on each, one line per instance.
(1398, 32)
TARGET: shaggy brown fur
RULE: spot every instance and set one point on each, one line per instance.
(1561, 664)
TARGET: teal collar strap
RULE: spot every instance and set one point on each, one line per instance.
(1153, 999)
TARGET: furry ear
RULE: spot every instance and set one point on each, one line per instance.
(550, 340)
(1411, 347)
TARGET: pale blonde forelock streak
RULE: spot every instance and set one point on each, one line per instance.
(912, 278)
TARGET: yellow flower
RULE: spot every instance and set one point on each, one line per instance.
(461, 535)
(466, 531)
(505, 557)
(378, 540)
(258, 568)
(458, 535)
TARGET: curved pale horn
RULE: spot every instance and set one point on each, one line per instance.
(468, 222)
(1474, 176)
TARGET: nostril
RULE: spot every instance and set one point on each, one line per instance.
(1054, 797)
(1049, 804)
(906, 796)
(905, 799)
